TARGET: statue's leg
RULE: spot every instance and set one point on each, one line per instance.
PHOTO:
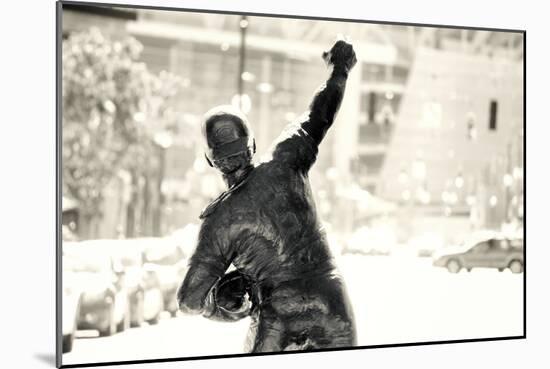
(268, 336)
(251, 335)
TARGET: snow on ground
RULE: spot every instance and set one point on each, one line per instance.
(396, 299)
(400, 300)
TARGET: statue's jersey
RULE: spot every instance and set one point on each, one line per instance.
(267, 227)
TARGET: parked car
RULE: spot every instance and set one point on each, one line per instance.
(166, 258)
(72, 296)
(425, 244)
(104, 300)
(490, 250)
(370, 241)
(68, 234)
(153, 298)
(129, 263)
(141, 282)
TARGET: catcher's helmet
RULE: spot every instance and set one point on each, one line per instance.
(226, 133)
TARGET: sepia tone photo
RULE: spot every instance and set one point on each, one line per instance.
(239, 184)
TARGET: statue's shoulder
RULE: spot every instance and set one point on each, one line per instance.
(219, 205)
(294, 147)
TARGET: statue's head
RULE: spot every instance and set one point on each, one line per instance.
(229, 140)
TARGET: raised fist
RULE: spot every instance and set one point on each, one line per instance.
(341, 55)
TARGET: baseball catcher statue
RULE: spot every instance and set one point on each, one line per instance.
(266, 225)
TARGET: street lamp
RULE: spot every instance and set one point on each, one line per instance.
(243, 25)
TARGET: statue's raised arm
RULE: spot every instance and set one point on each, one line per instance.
(297, 146)
(326, 102)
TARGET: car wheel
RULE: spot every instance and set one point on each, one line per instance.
(137, 320)
(516, 266)
(453, 266)
(111, 329)
(67, 344)
(155, 320)
(125, 323)
(171, 305)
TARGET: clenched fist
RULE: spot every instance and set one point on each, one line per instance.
(341, 55)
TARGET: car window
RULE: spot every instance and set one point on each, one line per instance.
(496, 244)
(517, 243)
(503, 244)
(481, 248)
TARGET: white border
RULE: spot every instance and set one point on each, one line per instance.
(28, 185)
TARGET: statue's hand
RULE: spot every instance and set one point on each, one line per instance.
(341, 55)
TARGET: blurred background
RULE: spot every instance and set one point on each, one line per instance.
(419, 183)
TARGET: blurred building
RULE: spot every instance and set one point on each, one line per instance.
(458, 140)
(432, 117)
(442, 131)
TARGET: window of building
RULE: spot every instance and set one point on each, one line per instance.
(493, 115)
(371, 106)
(374, 73)
(371, 164)
(400, 74)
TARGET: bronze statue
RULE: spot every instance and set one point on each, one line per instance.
(266, 225)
